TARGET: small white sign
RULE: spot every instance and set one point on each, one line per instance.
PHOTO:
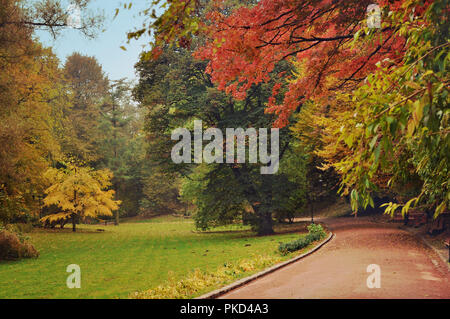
(374, 279)
(74, 279)
(374, 16)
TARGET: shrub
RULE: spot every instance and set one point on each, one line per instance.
(14, 246)
(315, 232)
(20, 228)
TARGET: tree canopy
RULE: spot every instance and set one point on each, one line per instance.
(378, 97)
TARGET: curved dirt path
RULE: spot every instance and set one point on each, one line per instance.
(409, 269)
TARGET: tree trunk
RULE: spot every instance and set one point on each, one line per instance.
(265, 226)
(116, 220)
(114, 121)
(74, 223)
(263, 209)
(265, 212)
(264, 222)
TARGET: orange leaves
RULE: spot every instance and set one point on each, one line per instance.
(245, 46)
(245, 43)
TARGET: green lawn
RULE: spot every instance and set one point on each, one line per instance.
(131, 257)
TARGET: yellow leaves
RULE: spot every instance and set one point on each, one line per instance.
(197, 280)
(405, 208)
(418, 111)
(416, 116)
(94, 211)
(427, 73)
(390, 208)
(28, 97)
(349, 140)
(413, 85)
(440, 209)
(59, 199)
(55, 217)
(81, 190)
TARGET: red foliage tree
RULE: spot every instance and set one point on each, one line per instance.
(243, 47)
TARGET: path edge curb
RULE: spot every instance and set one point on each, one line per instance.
(429, 245)
(221, 291)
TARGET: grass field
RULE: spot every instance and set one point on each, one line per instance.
(131, 257)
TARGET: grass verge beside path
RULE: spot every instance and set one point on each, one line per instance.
(199, 282)
(131, 257)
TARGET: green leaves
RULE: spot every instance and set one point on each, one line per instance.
(413, 85)
(349, 140)
(405, 109)
(373, 142)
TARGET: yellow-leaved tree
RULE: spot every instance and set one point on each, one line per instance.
(79, 192)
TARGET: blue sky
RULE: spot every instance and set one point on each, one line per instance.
(106, 47)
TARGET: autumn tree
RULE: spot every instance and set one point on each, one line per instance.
(48, 15)
(338, 60)
(33, 98)
(26, 131)
(395, 127)
(89, 86)
(120, 146)
(79, 192)
(245, 43)
(176, 91)
(30, 97)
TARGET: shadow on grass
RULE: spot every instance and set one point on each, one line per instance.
(279, 229)
(69, 230)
